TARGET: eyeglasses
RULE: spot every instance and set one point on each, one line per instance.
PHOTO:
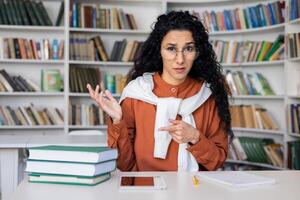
(188, 52)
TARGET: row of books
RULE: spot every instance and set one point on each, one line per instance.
(10, 83)
(126, 51)
(30, 116)
(81, 76)
(252, 116)
(83, 47)
(293, 45)
(92, 49)
(294, 154)
(24, 12)
(249, 51)
(248, 84)
(294, 9)
(45, 49)
(93, 16)
(51, 81)
(294, 117)
(260, 15)
(70, 164)
(86, 115)
(259, 150)
(115, 83)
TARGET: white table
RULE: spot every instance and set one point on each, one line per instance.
(179, 187)
(11, 144)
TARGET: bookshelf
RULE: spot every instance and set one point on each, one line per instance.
(280, 73)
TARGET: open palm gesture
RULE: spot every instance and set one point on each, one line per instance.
(106, 102)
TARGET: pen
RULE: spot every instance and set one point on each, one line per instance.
(195, 180)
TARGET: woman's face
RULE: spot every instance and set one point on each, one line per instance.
(178, 53)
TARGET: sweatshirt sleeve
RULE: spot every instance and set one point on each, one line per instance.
(211, 149)
(121, 136)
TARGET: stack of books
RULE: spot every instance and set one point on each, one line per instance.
(70, 164)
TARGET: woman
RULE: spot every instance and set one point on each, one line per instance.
(173, 113)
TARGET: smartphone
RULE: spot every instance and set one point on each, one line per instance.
(142, 183)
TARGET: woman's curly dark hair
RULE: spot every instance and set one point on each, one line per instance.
(205, 66)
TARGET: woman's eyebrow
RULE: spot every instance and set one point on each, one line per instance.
(189, 43)
(174, 44)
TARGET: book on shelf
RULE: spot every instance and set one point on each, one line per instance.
(51, 80)
(252, 116)
(294, 117)
(72, 153)
(248, 51)
(260, 15)
(88, 15)
(30, 116)
(257, 150)
(294, 9)
(24, 13)
(236, 151)
(60, 15)
(45, 49)
(293, 152)
(86, 115)
(293, 45)
(67, 179)
(248, 84)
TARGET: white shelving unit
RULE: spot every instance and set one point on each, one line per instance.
(275, 71)
(279, 73)
(292, 84)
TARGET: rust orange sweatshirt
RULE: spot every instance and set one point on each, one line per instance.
(134, 135)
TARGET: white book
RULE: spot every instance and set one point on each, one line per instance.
(6, 84)
(70, 168)
(72, 153)
(33, 85)
(237, 179)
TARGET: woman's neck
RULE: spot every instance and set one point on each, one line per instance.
(170, 80)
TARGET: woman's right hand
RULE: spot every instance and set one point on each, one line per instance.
(109, 104)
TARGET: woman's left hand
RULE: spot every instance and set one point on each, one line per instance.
(182, 132)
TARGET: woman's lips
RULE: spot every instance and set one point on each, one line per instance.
(179, 70)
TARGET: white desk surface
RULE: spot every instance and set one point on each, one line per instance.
(19, 141)
(179, 187)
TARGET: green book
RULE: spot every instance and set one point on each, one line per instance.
(30, 13)
(60, 14)
(8, 11)
(3, 13)
(17, 12)
(51, 80)
(23, 14)
(73, 153)
(44, 13)
(37, 13)
(68, 179)
(277, 43)
(266, 87)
